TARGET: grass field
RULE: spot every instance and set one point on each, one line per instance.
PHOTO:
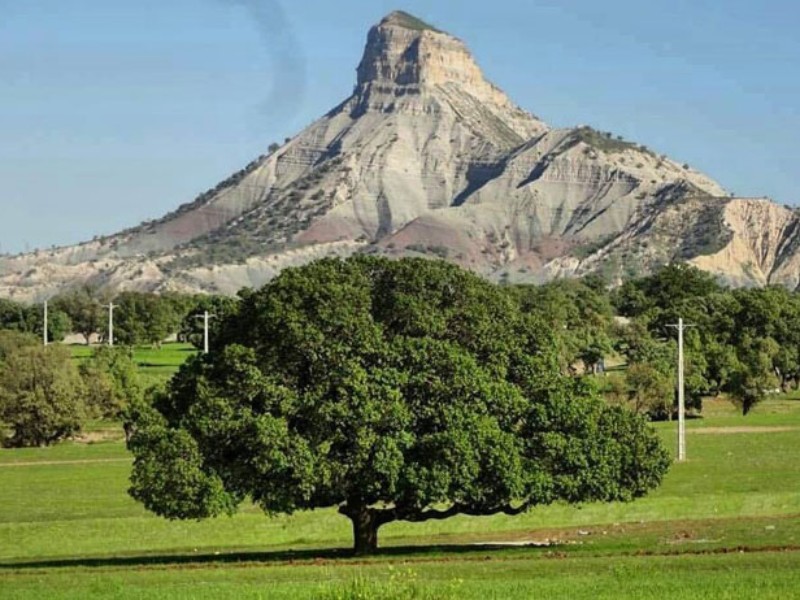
(156, 365)
(726, 524)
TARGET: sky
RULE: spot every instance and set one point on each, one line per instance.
(113, 112)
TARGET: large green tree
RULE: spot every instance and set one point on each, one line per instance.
(668, 287)
(407, 390)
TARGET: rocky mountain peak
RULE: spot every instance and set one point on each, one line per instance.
(403, 19)
(403, 51)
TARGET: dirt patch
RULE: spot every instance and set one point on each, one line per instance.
(104, 435)
(734, 430)
(518, 544)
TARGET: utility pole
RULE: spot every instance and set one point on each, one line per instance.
(205, 316)
(681, 327)
(110, 306)
(44, 335)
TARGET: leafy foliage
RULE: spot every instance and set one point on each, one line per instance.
(407, 390)
(145, 318)
(83, 305)
(580, 315)
(30, 319)
(41, 395)
(650, 391)
(11, 341)
(112, 382)
(744, 342)
(219, 307)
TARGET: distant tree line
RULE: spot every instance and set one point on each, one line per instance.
(47, 396)
(744, 344)
(25, 318)
(139, 318)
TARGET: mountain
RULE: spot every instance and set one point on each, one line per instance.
(427, 157)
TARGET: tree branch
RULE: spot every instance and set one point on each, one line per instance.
(412, 516)
(387, 515)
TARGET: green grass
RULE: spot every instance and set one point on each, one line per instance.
(156, 365)
(736, 576)
(68, 529)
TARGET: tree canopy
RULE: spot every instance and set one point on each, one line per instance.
(142, 318)
(29, 318)
(407, 390)
(112, 381)
(41, 395)
(83, 304)
(580, 313)
(218, 307)
(744, 342)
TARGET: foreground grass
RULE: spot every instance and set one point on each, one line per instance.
(774, 575)
(66, 523)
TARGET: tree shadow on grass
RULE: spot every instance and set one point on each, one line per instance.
(287, 557)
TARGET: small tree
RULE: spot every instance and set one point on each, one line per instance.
(59, 324)
(143, 318)
(112, 382)
(406, 390)
(651, 392)
(41, 396)
(754, 377)
(83, 306)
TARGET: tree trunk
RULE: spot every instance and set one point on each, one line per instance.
(365, 530)
(747, 406)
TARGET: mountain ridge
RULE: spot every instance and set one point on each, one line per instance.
(428, 157)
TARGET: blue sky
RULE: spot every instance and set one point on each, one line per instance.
(117, 111)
